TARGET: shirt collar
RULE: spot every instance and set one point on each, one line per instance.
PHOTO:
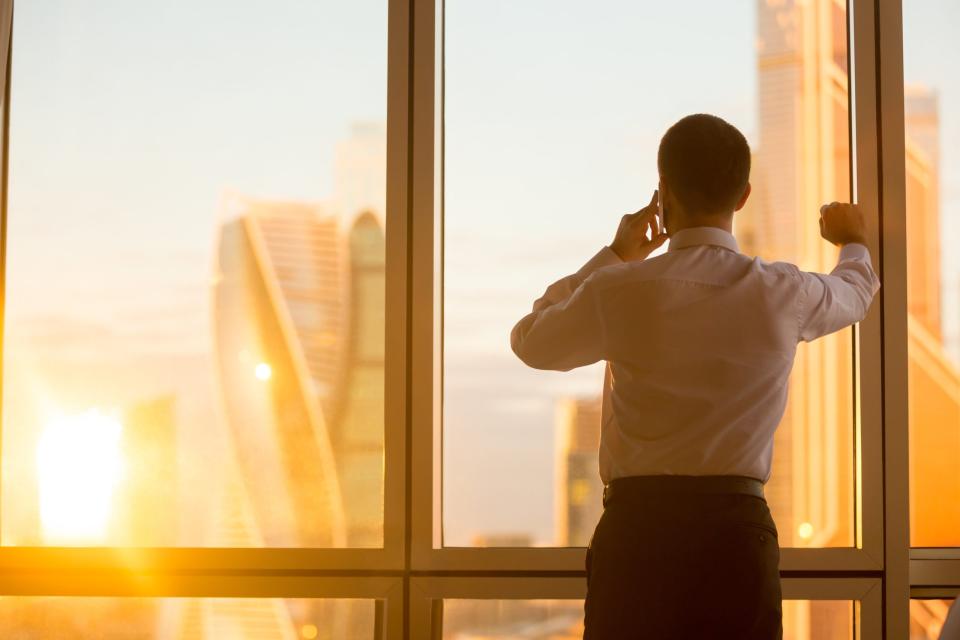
(694, 236)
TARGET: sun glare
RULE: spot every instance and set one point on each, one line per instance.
(263, 371)
(79, 463)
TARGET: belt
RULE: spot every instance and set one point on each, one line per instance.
(649, 485)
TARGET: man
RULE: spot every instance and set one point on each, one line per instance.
(699, 343)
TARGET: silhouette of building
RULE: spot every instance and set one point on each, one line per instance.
(502, 540)
(922, 125)
(934, 380)
(148, 497)
(299, 332)
(802, 159)
(578, 489)
(298, 328)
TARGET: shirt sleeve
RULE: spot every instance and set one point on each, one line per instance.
(565, 328)
(839, 299)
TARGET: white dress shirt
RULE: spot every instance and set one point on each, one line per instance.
(699, 343)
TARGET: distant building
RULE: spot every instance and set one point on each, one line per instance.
(299, 329)
(579, 490)
(502, 540)
(147, 499)
(360, 170)
(922, 124)
(802, 160)
(934, 408)
(298, 326)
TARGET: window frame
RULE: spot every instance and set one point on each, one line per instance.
(428, 593)
(428, 553)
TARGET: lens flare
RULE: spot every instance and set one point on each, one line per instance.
(79, 464)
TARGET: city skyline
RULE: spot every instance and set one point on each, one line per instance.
(164, 162)
(171, 319)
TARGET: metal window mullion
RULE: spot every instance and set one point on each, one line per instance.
(868, 426)
(888, 48)
(425, 455)
(397, 356)
(6, 59)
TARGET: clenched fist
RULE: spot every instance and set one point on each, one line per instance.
(842, 223)
(631, 243)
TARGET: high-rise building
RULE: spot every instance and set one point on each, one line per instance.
(298, 324)
(148, 497)
(802, 159)
(922, 124)
(299, 331)
(934, 391)
(360, 167)
(578, 489)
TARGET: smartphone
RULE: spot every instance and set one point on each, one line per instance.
(661, 221)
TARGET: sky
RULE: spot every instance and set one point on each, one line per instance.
(130, 122)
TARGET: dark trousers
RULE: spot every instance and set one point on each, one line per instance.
(664, 565)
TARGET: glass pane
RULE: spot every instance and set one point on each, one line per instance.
(563, 619)
(40, 618)
(195, 313)
(927, 619)
(932, 145)
(552, 122)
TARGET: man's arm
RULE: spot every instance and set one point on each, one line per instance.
(831, 302)
(565, 329)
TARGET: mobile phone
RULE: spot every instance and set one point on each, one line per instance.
(661, 221)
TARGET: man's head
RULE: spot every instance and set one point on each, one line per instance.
(704, 165)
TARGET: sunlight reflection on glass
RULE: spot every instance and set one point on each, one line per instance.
(263, 371)
(79, 465)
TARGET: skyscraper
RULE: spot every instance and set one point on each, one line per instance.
(934, 378)
(148, 496)
(801, 160)
(298, 327)
(578, 489)
(921, 120)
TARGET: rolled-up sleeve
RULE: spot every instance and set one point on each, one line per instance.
(565, 329)
(830, 302)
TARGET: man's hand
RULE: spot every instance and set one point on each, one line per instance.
(842, 223)
(631, 243)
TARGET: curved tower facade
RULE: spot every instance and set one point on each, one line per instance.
(298, 315)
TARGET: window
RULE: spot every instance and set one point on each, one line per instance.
(126, 618)
(927, 616)
(259, 267)
(932, 178)
(195, 292)
(552, 123)
(563, 619)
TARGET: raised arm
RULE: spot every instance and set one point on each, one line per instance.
(831, 302)
(565, 329)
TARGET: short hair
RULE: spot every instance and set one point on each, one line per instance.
(706, 162)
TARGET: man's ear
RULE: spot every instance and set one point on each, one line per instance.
(743, 198)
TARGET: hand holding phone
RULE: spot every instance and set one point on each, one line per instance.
(631, 242)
